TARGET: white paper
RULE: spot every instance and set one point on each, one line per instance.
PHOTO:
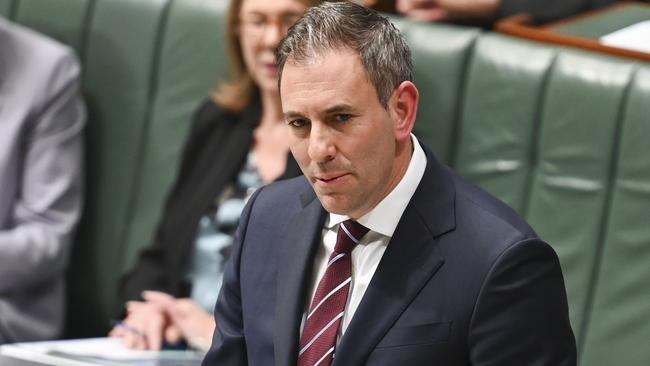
(635, 37)
(106, 348)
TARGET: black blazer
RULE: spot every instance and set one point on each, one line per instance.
(215, 150)
(464, 281)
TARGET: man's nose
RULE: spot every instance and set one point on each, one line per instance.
(322, 146)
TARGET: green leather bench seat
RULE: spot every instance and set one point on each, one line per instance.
(545, 129)
(6, 9)
(440, 76)
(120, 84)
(63, 20)
(543, 155)
(559, 134)
(572, 177)
(619, 326)
(500, 116)
(542, 130)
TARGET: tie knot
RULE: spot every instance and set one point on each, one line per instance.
(350, 234)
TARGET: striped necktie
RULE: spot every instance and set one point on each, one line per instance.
(318, 338)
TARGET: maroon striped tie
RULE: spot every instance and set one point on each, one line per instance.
(326, 311)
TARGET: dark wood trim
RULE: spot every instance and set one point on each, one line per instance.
(586, 15)
(521, 26)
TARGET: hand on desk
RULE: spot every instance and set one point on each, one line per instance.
(162, 316)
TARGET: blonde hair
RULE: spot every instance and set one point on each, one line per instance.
(236, 93)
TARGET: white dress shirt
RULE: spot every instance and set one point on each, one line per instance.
(382, 221)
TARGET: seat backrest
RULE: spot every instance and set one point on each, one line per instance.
(546, 129)
(619, 316)
(62, 20)
(6, 8)
(439, 72)
(543, 155)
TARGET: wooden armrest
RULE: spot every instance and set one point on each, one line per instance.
(521, 25)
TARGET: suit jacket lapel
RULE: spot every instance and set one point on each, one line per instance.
(410, 260)
(301, 238)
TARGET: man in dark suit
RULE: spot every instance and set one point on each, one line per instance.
(379, 255)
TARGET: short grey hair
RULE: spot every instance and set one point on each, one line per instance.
(381, 47)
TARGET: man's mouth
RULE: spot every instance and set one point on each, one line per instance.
(330, 178)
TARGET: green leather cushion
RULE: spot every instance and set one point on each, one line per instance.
(497, 130)
(62, 20)
(6, 8)
(440, 56)
(148, 66)
(538, 129)
(123, 41)
(619, 325)
(570, 188)
(190, 62)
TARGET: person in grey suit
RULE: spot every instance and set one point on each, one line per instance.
(41, 123)
(379, 254)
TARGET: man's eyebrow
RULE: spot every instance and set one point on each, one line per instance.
(292, 114)
(331, 110)
(339, 108)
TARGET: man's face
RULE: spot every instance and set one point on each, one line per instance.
(340, 134)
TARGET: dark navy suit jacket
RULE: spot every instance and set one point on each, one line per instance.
(464, 281)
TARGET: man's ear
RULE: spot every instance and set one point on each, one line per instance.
(403, 107)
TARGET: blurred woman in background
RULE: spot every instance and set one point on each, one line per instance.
(236, 144)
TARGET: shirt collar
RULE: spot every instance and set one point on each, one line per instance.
(384, 217)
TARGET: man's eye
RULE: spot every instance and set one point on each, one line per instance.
(343, 117)
(297, 123)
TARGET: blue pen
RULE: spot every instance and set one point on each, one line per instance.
(122, 325)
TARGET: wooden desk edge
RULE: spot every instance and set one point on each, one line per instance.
(520, 26)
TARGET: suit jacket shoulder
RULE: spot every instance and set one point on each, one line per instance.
(34, 68)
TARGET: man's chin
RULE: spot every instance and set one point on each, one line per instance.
(333, 203)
